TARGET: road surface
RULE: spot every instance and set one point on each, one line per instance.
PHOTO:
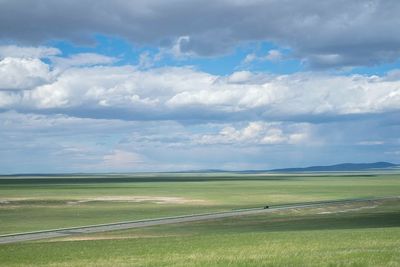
(12, 238)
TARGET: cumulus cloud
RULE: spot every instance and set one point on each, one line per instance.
(23, 73)
(108, 118)
(260, 133)
(84, 112)
(60, 143)
(21, 68)
(184, 93)
(240, 77)
(324, 33)
(294, 95)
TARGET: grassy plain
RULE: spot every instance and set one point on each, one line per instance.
(29, 204)
(360, 234)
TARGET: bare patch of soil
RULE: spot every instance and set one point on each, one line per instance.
(138, 199)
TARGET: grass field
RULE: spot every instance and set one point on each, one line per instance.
(29, 205)
(360, 234)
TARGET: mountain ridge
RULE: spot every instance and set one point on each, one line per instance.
(382, 165)
(341, 167)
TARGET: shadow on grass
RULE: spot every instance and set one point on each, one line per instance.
(296, 223)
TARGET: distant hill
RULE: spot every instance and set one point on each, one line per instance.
(329, 168)
(341, 167)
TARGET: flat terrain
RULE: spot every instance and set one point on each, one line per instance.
(38, 235)
(28, 204)
(352, 234)
(340, 235)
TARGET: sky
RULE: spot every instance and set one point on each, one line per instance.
(132, 86)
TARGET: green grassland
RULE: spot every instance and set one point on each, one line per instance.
(358, 234)
(38, 203)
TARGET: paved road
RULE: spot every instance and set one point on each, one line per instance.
(4, 239)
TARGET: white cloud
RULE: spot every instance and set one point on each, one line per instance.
(250, 58)
(240, 77)
(371, 143)
(121, 159)
(298, 94)
(58, 123)
(28, 51)
(183, 92)
(23, 73)
(145, 60)
(259, 133)
(118, 87)
(8, 100)
(273, 55)
(179, 48)
(83, 59)
(60, 143)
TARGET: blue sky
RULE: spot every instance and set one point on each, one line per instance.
(118, 86)
(221, 64)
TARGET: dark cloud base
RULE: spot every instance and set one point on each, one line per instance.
(325, 33)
